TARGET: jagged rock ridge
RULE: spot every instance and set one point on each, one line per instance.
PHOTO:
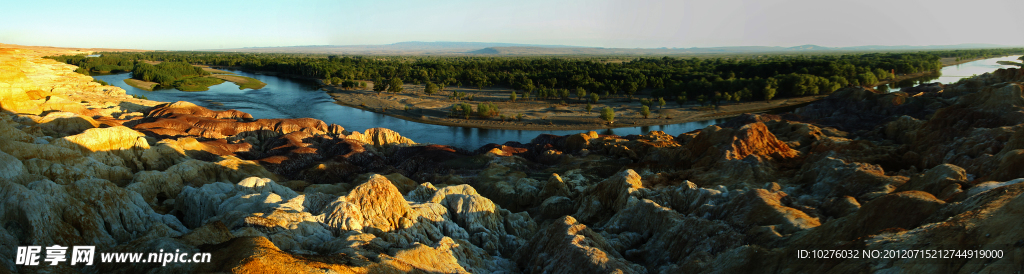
(84, 164)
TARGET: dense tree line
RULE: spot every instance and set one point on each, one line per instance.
(104, 64)
(968, 54)
(706, 80)
(166, 73)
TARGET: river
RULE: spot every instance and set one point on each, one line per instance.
(951, 74)
(292, 98)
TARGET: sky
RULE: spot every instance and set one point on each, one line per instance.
(211, 24)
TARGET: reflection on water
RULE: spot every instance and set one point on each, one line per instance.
(290, 98)
(912, 82)
(951, 74)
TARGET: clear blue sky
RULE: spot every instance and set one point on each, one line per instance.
(180, 25)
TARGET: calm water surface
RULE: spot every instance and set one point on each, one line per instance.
(951, 74)
(291, 98)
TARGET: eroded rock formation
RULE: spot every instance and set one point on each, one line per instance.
(85, 164)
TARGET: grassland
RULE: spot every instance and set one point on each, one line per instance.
(242, 81)
(197, 83)
(215, 71)
(149, 86)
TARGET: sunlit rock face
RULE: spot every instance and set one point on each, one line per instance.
(85, 164)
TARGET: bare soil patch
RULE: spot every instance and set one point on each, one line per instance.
(242, 81)
(416, 106)
(213, 70)
(140, 84)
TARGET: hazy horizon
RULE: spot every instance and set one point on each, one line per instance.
(192, 25)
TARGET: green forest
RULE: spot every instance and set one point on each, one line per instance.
(706, 80)
(180, 75)
(87, 65)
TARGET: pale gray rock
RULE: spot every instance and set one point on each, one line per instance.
(10, 167)
(987, 186)
(91, 211)
(422, 193)
(342, 216)
(607, 197)
(556, 207)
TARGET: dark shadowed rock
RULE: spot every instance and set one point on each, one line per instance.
(942, 181)
(567, 246)
(924, 89)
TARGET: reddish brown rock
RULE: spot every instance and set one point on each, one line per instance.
(423, 162)
(505, 150)
(755, 139)
(715, 144)
(380, 137)
(182, 107)
(577, 142)
(213, 128)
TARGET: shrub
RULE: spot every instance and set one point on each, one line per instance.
(645, 111)
(461, 110)
(487, 110)
(430, 89)
(395, 85)
(347, 84)
(466, 109)
(608, 114)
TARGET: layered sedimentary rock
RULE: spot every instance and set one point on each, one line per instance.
(84, 164)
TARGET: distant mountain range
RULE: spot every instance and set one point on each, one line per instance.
(483, 48)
